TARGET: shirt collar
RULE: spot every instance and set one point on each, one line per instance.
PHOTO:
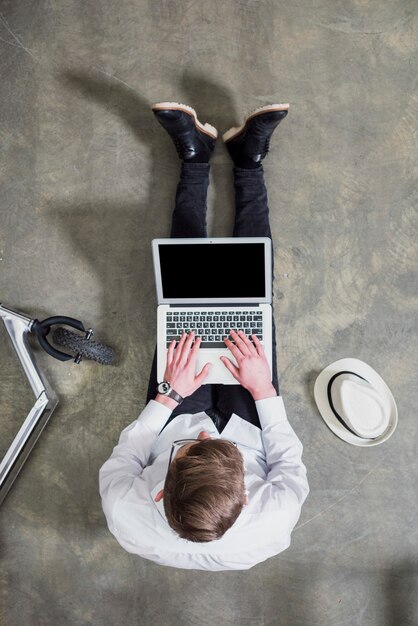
(159, 505)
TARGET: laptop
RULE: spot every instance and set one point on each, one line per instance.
(211, 286)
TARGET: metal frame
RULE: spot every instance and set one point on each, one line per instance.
(18, 326)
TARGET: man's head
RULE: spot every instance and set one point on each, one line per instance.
(204, 489)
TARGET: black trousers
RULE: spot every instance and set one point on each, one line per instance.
(189, 220)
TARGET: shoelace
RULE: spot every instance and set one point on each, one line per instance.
(261, 144)
(262, 149)
(267, 146)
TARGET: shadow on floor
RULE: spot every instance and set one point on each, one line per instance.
(399, 594)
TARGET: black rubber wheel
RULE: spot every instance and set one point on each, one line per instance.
(80, 345)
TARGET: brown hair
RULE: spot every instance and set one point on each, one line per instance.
(204, 490)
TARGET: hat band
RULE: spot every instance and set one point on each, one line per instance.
(340, 419)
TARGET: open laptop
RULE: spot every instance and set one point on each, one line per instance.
(212, 286)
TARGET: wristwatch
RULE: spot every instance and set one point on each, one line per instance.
(165, 389)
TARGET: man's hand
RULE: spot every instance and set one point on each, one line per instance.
(181, 365)
(253, 370)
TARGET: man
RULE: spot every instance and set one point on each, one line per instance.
(175, 491)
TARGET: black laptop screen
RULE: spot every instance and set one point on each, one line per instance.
(218, 270)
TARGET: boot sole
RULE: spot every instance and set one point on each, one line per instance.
(176, 106)
(237, 130)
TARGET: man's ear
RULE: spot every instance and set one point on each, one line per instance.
(159, 495)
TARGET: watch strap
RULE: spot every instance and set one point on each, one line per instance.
(173, 394)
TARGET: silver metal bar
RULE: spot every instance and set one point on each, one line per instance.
(18, 326)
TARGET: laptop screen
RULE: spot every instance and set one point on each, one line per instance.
(215, 271)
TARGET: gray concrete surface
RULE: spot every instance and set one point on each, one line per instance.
(87, 179)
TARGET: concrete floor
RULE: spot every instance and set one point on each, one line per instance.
(88, 179)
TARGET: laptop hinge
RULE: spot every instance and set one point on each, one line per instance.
(196, 305)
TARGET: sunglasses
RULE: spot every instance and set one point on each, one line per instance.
(180, 443)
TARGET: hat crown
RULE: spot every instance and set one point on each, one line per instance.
(378, 403)
(360, 405)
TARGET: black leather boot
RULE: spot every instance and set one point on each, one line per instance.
(248, 144)
(193, 140)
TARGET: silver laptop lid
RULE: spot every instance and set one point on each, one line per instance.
(213, 270)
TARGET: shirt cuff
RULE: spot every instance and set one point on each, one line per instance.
(271, 411)
(154, 416)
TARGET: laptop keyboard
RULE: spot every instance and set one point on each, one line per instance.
(213, 325)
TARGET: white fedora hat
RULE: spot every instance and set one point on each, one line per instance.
(355, 403)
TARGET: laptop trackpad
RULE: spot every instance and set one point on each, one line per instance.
(218, 374)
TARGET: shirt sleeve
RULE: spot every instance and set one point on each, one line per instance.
(287, 484)
(130, 456)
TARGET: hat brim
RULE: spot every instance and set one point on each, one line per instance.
(367, 372)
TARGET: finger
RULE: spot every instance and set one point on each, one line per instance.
(230, 366)
(258, 345)
(239, 342)
(233, 348)
(186, 347)
(189, 341)
(247, 342)
(170, 351)
(195, 349)
(203, 373)
(177, 354)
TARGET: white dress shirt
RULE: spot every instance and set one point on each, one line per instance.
(275, 478)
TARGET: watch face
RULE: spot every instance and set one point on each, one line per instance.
(163, 387)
